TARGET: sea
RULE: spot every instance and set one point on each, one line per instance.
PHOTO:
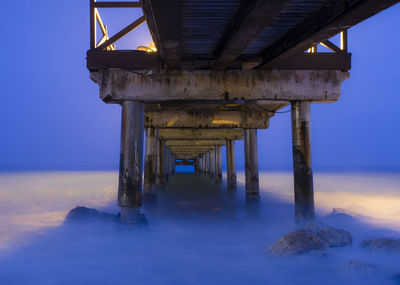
(198, 232)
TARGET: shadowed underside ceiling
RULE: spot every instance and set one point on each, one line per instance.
(221, 34)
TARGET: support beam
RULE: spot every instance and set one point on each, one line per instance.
(207, 163)
(218, 165)
(150, 164)
(211, 162)
(122, 33)
(197, 165)
(332, 18)
(307, 85)
(303, 176)
(200, 157)
(164, 20)
(130, 169)
(251, 164)
(161, 163)
(252, 119)
(252, 18)
(174, 143)
(201, 134)
(167, 164)
(117, 4)
(231, 164)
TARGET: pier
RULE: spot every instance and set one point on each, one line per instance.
(219, 71)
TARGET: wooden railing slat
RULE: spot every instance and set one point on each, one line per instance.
(122, 33)
(118, 5)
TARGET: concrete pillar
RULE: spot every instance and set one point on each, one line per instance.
(251, 164)
(167, 163)
(150, 164)
(207, 163)
(173, 163)
(231, 164)
(218, 164)
(131, 158)
(196, 165)
(161, 163)
(211, 163)
(200, 158)
(302, 168)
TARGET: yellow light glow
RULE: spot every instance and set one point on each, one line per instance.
(227, 122)
(149, 49)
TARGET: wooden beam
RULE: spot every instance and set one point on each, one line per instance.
(333, 17)
(92, 25)
(122, 33)
(316, 61)
(128, 60)
(118, 5)
(164, 21)
(329, 45)
(252, 18)
(102, 26)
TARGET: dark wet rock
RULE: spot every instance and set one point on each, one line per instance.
(331, 237)
(392, 245)
(139, 220)
(339, 215)
(295, 243)
(86, 215)
(314, 236)
(82, 214)
(360, 267)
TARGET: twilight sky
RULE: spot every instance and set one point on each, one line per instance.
(51, 116)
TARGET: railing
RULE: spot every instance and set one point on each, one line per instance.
(331, 46)
(107, 43)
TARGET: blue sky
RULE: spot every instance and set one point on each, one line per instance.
(51, 116)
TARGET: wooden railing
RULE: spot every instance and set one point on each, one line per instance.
(331, 46)
(107, 43)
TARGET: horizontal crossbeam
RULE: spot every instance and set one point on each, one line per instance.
(120, 4)
(200, 134)
(207, 119)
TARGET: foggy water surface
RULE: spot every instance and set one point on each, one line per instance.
(198, 232)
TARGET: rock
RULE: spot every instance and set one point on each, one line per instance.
(295, 243)
(339, 215)
(315, 236)
(331, 237)
(86, 215)
(392, 245)
(82, 214)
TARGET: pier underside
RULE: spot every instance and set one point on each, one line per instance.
(217, 74)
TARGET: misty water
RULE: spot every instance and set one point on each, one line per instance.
(198, 233)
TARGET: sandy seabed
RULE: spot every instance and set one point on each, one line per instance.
(199, 233)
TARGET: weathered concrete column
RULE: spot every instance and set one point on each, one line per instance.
(231, 164)
(303, 176)
(251, 164)
(218, 164)
(211, 163)
(161, 163)
(207, 163)
(173, 163)
(167, 163)
(131, 158)
(196, 165)
(150, 164)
